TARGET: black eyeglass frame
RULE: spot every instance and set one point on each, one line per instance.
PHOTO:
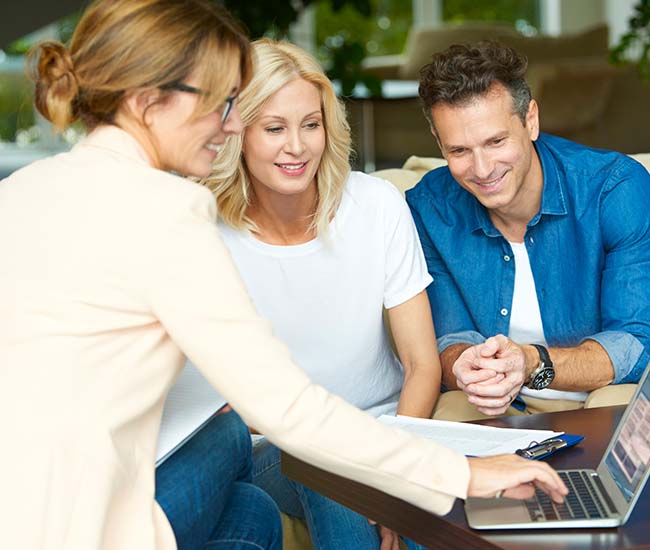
(181, 87)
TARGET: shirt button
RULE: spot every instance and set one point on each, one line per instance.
(504, 312)
(506, 258)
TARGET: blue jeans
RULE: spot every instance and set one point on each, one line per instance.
(330, 524)
(204, 489)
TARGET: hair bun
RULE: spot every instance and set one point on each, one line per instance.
(57, 87)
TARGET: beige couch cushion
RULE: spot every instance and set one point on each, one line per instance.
(295, 535)
(591, 42)
(643, 158)
(415, 167)
(408, 175)
(424, 40)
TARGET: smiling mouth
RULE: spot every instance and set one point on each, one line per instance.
(489, 184)
(214, 147)
(292, 167)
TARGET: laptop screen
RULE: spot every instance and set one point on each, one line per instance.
(629, 456)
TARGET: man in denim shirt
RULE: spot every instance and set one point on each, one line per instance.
(539, 248)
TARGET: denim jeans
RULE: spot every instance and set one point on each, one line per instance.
(331, 525)
(204, 489)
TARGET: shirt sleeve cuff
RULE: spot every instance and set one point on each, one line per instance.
(465, 337)
(409, 292)
(626, 353)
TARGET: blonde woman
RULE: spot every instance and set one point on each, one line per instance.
(322, 250)
(113, 270)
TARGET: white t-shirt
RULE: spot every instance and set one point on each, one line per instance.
(526, 320)
(324, 298)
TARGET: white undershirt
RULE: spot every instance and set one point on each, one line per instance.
(526, 320)
(325, 298)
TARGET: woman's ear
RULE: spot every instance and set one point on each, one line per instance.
(243, 144)
(138, 103)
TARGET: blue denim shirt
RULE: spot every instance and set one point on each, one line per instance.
(589, 250)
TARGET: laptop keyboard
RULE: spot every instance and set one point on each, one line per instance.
(582, 502)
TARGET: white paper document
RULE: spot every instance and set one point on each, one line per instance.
(191, 402)
(469, 439)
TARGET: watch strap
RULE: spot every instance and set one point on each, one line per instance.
(543, 354)
(544, 363)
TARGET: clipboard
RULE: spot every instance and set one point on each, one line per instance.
(543, 449)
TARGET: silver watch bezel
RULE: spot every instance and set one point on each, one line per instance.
(542, 377)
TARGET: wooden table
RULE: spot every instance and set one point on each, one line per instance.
(451, 531)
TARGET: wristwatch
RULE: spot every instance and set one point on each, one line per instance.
(544, 374)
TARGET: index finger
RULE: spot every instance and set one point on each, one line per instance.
(496, 389)
(549, 481)
(499, 364)
(476, 375)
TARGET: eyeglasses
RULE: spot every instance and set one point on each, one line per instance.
(180, 87)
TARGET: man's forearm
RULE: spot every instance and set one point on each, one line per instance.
(582, 368)
(447, 360)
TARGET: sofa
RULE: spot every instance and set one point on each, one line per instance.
(415, 167)
(422, 41)
(295, 533)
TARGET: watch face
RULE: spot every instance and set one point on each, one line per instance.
(543, 378)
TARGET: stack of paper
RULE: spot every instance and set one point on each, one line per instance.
(469, 439)
(191, 402)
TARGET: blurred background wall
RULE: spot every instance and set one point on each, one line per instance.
(373, 49)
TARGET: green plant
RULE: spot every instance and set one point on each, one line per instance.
(344, 60)
(273, 18)
(16, 110)
(634, 46)
(509, 11)
(339, 53)
(382, 30)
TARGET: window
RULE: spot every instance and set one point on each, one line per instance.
(523, 14)
(382, 31)
(16, 111)
(24, 134)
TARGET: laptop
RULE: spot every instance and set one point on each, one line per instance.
(604, 497)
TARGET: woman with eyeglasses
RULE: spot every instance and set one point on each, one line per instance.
(113, 270)
(100, 299)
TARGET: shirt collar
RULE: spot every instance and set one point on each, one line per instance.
(119, 141)
(481, 220)
(553, 202)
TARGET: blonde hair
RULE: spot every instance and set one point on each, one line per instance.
(123, 45)
(276, 64)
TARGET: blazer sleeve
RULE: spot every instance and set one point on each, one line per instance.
(196, 293)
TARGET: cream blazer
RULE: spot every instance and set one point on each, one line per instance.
(111, 272)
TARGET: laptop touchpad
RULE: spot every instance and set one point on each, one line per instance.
(492, 511)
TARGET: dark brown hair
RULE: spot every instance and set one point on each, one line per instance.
(122, 45)
(462, 72)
